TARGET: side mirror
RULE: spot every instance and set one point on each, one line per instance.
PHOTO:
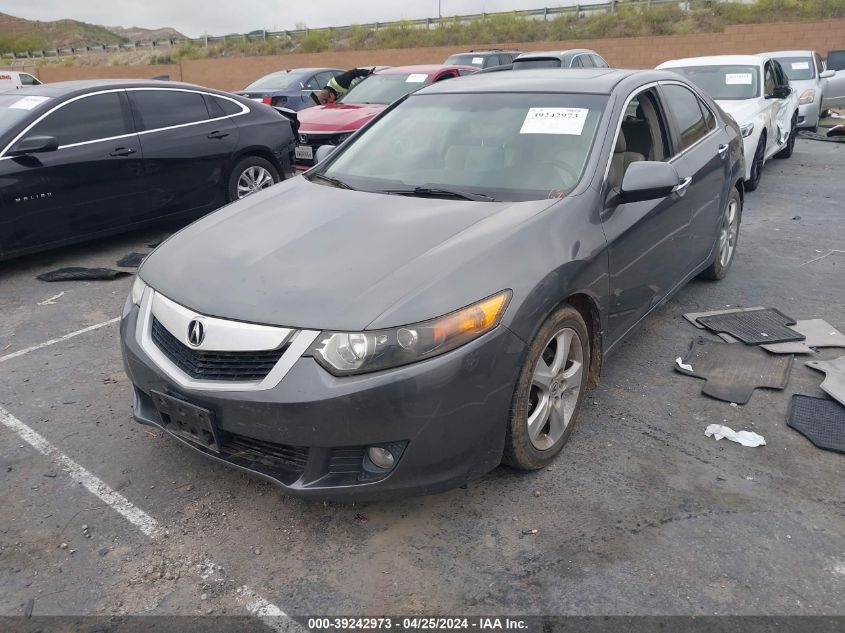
(323, 152)
(827, 74)
(780, 92)
(648, 180)
(34, 145)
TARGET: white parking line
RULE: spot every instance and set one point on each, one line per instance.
(251, 601)
(94, 484)
(57, 340)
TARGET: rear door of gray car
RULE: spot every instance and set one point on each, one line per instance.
(702, 154)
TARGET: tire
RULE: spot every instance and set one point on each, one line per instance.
(726, 242)
(757, 167)
(251, 174)
(559, 396)
(786, 152)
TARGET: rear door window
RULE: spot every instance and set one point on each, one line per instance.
(686, 110)
(87, 119)
(167, 108)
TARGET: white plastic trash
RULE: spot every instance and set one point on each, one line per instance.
(746, 438)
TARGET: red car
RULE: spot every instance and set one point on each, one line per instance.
(331, 124)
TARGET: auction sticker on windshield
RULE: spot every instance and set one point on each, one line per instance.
(554, 121)
(738, 79)
(800, 65)
(416, 78)
(28, 103)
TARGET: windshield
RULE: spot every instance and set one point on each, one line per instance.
(278, 81)
(14, 108)
(797, 68)
(466, 59)
(728, 83)
(504, 146)
(385, 88)
(543, 62)
(836, 60)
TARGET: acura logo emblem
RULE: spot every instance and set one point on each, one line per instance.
(196, 332)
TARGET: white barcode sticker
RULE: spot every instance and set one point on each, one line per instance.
(738, 79)
(554, 121)
(800, 65)
(28, 103)
(416, 78)
(477, 60)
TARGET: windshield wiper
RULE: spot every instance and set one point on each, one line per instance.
(440, 192)
(333, 181)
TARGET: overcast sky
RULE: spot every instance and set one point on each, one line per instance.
(218, 17)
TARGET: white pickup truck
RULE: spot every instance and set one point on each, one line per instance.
(14, 79)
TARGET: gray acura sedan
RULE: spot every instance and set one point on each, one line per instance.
(434, 298)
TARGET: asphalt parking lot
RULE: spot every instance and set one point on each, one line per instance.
(640, 514)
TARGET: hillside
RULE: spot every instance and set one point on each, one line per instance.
(18, 34)
(138, 34)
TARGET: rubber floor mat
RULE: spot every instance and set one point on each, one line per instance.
(75, 273)
(131, 260)
(692, 317)
(820, 420)
(834, 382)
(732, 372)
(752, 328)
(817, 332)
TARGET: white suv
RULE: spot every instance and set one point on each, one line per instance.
(755, 91)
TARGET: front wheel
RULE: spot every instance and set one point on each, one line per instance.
(251, 174)
(549, 391)
(786, 152)
(725, 250)
(757, 166)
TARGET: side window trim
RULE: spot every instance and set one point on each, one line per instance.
(63, 104)
(244, 109)
(676, 141)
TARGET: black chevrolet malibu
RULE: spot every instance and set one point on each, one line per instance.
(434, 298)
(82, 159)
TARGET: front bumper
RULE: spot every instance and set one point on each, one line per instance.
(808, 115)
(309, 433)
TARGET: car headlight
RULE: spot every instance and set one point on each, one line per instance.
(808, 96)
(137, 292)
(346, 353)
(746, 130)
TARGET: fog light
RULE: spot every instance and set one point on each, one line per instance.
(381, 457)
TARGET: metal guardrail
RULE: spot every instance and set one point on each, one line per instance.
(579, 8)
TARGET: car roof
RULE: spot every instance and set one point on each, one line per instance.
(285, 71)
(66, 88)
(560, 80)
(540, 54)
(788, 53)
(717, 60)
(488, 51)
(428, 69)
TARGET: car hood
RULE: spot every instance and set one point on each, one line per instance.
(742, 110)
(340, 117)
(311, 256)
(800, 85)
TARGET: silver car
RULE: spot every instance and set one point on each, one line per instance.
(811, 82)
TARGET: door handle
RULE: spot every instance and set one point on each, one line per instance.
(723, 150)
(123, 151)
(682, 187)
(218, 134)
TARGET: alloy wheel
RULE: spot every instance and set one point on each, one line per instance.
(555, 386)
(727, 236)
(252, 179)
